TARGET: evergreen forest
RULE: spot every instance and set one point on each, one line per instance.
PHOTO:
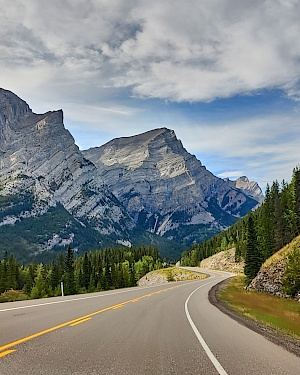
(94, 271)
(259, 234)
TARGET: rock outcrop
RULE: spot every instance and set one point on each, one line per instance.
(224, 261)
(131, 190)
(167, 190)
(269, 279)
(270, 276)
(251, 188)
(39, 158)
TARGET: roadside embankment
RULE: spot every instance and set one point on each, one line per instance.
(169, 274)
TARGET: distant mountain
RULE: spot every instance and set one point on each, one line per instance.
(50, 195)
(142, 189)
(251, 188)
(168, 191)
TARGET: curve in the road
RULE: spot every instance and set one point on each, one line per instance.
(204, 345)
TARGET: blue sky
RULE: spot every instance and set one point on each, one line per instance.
(224, 74)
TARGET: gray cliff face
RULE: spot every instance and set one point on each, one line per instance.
(251, 188)
(131, 190)
(38, 156)
(165, 188)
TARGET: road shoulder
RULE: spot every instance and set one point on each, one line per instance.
(273, 335)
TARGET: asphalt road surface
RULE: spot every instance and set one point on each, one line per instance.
(165, 329)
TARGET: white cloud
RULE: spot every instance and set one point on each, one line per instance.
(84, 56)
(175, 50)
(231, 174)
(266, 147)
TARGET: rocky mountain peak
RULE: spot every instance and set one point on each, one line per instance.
(148, 182)
(12, 107)
(39, 159)
(132, 152)
(165, 188)
(251, 188)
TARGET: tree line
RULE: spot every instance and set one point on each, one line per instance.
(94, 271)
(259, 234)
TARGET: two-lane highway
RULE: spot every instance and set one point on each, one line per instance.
(165, 329)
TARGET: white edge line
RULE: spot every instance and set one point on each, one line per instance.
(125, 290)
(209, 353)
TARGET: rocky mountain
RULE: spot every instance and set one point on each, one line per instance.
(44, 175)
(141, 189)
(167, 191)
(251, 188)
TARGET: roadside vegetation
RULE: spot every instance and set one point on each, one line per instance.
(94, 271)
(264, 238)
(279, 313)
(259, 234)
(179, 274)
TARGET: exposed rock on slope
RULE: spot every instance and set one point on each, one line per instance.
(166, 189)
(131, 190)
(270, 276)
(223, 261)
(251, 188)
(169, 274)
(40, 163)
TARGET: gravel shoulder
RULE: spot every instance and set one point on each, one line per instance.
(273, 335)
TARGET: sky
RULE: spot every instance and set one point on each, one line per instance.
(223, 74)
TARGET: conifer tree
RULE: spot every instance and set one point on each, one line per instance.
(86, 272)
(296, 196)
(29, 281)
(3, 276)
(68, 278)
(54, 276)
(253, 258)
(12, 273)
(39, 290)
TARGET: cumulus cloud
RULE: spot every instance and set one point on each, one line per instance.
(174, 50)
(267, 147)
(90, 57)
(231, 174)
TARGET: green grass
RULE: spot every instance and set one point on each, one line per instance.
(279, 313)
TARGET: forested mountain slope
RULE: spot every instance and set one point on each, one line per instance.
(260, 234)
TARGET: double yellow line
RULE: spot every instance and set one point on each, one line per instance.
(7, 348)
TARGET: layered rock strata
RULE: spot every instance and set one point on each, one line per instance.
(166, 189)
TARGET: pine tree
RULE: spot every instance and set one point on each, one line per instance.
(29, 281)
(54, 276)
(296, 196)
(68, 277)
(12, 273)
(86, 272)
(4, 274)
(266, 225)
(253, 258)
(39, 289)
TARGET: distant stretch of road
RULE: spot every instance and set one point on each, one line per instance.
(166, 329)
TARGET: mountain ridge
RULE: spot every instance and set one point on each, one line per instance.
(153, 175)
(136, 192)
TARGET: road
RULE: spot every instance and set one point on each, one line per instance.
(165, 329)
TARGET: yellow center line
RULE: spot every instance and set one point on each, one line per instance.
(6, 353)
(74, 322)
(80, 321)
(118, 306)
